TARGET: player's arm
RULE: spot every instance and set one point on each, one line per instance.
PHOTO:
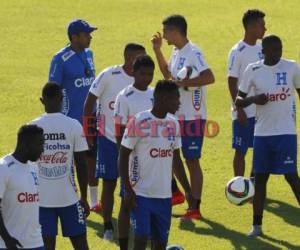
(56, 70)
(89, 118)
(243, 101)
(123, 165)
(82, 178)
(162, 63)
(205, 77)
(120, 129)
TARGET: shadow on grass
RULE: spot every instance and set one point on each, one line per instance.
(287, 212)
(238, 240)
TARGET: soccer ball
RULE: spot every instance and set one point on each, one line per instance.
(174, 247)
(239, 190)
(189, 72)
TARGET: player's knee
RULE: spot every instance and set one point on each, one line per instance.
(291, 178)
(193, 162)
(239, 154)
(261, 179)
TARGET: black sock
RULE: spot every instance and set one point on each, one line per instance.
(108, 226)
(257, 220)
(123, 243)
(174, 186)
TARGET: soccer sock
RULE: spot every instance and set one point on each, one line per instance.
(123, 243)
(174, 186)
(108, 226)
(93, 195)
(257, 220)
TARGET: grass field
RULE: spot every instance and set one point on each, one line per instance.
(32, 31)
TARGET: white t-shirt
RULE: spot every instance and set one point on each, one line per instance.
(193, 102)
(106, 87)
(278, 82)
(63, 136)
(20, 201)
(130, 101)
(150, 168)
(240, 56)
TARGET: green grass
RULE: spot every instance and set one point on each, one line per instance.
(32, 31)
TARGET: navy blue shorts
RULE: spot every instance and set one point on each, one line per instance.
(152, 218)
(242, 136)
(107, 159)
(192, 134)
(275, 154)
(72, 220)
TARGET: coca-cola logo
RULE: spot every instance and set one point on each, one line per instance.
(56, 158)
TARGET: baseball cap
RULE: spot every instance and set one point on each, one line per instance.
(78, 25)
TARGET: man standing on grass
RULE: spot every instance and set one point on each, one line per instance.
(275, 136)
(192, 112)
(64, 143)
(104, 90)
(72, 68)
(243, 53)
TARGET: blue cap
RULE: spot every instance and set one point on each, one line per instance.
(78, 25)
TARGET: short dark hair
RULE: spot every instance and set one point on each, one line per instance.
(178, 22)
(133, 47)
(251, 16)
(143, 61)
(271, 39)
(28, 131)
(51, 90)
(164, 87)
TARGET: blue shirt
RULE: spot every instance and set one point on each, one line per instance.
(74, 72)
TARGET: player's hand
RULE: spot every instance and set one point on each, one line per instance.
(12, 243)
(241, 116)
(156, 41)
(90, 141)
(261, 99)
(130, 199)
(179, 83)
(86, 208)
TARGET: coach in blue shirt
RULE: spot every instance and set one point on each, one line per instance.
(73, 68)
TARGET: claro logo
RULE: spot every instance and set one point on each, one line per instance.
(28, 197)
(161, 153)
(83, 82)
(281, 96)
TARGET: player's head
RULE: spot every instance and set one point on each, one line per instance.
(254, 23)
(143, 71)
(131, 52)
(30, 142)
(79, 33)
(174, 28)
(52, 97)
(166, 96)
(272, 48)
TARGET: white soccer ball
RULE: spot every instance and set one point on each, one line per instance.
(189, 72)
(239, 190)
(174, 247)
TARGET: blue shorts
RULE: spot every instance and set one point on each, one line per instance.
(192, 134)
(37, 248)
(275, 154)
(72, 220)
(107, 159)
(242, 136)
(152, 218)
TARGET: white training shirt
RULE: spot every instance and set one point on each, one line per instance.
(193, 102)
(20, 202)
(278, 82)
(240, 56)
(130, 101)
(153, 143)
(63, 136)
(106, 87)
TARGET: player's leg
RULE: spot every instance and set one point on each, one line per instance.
(140, 216)
(107, 169)
(123, 222)
(48, 219)
(161, 211)
(73, 224)
(294, 182)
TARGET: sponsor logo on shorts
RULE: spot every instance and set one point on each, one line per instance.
(26, 197)
(81, 217)
(288, 160)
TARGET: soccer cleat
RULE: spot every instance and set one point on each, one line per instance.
(177, 198)
(256, 231)
(191, 214)
(97, 208)
(108, 234)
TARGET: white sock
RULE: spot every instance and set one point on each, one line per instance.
(93, 195)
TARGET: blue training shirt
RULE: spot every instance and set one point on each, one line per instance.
(74, 72)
